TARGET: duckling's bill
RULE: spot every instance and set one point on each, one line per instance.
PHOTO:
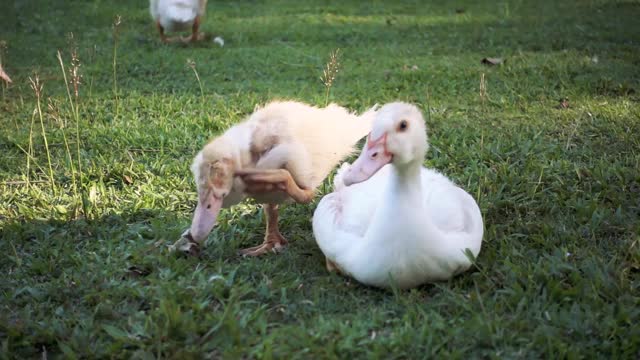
(204, 218)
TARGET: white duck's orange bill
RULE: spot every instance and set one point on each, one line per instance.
(373, 157)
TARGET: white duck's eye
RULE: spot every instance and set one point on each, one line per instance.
(403, 126)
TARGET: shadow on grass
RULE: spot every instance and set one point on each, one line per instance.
(106, 286)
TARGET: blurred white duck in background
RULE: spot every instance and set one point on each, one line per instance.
(282, 152)
(178, 15)
(392, 222)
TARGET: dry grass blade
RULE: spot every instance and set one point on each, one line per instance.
(37, 87)
(330, 71)
(483, 90)
(116, 25)
(192, 65)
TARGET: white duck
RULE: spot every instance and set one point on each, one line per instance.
(178, 15)
(390, 221)
(283, 151)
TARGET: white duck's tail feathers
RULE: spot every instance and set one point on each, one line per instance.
(471, 236)
(476, 230)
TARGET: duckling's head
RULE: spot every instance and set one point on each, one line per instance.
(398, 136)
(213, 170)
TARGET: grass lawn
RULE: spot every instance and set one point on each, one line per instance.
(93, 187)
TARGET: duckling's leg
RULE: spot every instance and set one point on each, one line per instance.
(258, 181)
(163, 37)
(273, 240)
(194, 30)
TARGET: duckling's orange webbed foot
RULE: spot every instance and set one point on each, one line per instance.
(272, 243)
(264, 181)
(273, 240)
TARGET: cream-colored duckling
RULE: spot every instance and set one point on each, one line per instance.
(391, 221)
(178, 15)
(283, 151)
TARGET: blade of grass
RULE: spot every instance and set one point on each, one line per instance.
(116, 26)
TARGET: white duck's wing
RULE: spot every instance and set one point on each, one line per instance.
(441, 199)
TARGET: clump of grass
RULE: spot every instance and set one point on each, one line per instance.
(330, 71)
(55, 114)
(73, 82)
(37, 87)
(116, 27)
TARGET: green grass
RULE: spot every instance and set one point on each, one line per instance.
(85, 270)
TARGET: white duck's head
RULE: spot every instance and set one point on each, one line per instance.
(398, 136)
(213, 170)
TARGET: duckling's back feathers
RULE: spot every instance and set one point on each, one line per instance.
(328, 135)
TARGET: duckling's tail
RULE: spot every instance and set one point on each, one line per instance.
(468, 238)
(350, 126)
(366, 120)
